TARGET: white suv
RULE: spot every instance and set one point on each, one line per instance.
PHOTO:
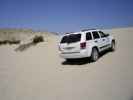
(86, 43)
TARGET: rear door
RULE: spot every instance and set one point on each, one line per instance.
(88, 39)
(70, 43)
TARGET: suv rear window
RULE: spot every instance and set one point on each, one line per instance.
(71, 38)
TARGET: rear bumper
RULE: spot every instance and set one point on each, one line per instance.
(72, 55)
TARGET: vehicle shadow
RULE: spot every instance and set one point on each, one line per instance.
(83, 61)
(131, 98)
(80, 61)
(104, 53)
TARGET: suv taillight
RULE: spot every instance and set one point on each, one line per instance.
(83, 45)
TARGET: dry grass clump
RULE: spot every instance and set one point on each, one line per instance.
(37, 39)
(3, 42)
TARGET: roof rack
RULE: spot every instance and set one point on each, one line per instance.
(69, 32)
(87, 29)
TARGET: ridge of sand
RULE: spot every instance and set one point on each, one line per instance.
(39, 73)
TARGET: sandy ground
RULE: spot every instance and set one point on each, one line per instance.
(38, 73)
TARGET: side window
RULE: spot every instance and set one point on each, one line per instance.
(88, 36)
(95, 35)
(102, 34)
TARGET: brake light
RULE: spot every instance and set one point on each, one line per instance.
(83, 45)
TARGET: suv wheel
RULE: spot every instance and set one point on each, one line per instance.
(113, 46)
(94, 55)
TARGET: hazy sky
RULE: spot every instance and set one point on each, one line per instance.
(65, 15)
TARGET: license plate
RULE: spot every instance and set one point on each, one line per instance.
(69, 48)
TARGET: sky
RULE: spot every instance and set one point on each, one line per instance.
(65, 15)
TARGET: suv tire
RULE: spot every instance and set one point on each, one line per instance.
(112, 46)
(94, 55)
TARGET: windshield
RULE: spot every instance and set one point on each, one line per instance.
(71, 38)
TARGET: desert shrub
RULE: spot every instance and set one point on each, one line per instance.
(38, 39)
(3, 42)
(14, 42)
(9, 42)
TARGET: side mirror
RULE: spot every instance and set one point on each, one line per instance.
(106, 35)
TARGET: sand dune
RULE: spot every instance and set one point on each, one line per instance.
(38, 73)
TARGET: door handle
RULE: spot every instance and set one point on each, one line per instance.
(96, 41)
